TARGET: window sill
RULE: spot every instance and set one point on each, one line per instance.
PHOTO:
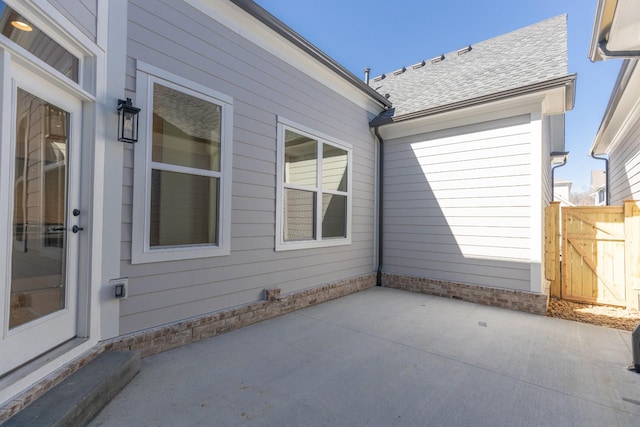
(177, 254)
(311, 244)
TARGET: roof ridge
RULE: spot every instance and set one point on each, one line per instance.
(525, 58)
(443, 56)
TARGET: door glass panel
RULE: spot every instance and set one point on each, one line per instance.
(39, 201)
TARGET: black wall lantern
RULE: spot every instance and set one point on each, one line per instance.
(127, 121)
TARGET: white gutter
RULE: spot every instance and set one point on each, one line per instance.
(594, 51)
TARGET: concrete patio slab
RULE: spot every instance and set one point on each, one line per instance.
(385, 357)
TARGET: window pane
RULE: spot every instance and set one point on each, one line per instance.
(334, 168)
(300, 158)
(334, 216)
(184, 209)
(26, 35)
(299, 215)
(186, 130)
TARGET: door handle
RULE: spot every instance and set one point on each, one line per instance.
(75, 229)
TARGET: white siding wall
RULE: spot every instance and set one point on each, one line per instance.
(83, 13)
(624, 168)
(183, 41)
(457, 204)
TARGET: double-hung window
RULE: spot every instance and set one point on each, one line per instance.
(314, 189)
(182, 170)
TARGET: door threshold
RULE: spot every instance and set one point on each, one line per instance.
(33, 365)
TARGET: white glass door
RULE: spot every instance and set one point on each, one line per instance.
(41, 245)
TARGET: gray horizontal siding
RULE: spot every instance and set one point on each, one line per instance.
(624, 168)
(82, 13)
(182, 41)
(457, 204)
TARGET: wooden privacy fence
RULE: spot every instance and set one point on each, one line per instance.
(592, 254)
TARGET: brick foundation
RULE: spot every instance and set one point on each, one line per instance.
(173, 335)
(496, 297)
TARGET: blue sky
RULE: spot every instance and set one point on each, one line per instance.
(385, 36)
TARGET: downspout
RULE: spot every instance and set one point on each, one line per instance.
(607, 196)
(553, 177)
(380, 203)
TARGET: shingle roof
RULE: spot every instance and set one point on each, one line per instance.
(524, 57)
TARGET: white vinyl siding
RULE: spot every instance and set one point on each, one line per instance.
(185, 42)
(457, 204)
(624, 168)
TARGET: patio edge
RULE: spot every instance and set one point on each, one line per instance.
(173, 335)
(512, 299)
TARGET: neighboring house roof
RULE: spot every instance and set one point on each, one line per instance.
(615, 33)
(306, 46)
(598, 179)
(562, 183)
(562, 192)
(563, 200)
(526, 60)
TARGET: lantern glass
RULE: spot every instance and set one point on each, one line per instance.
(127, 121)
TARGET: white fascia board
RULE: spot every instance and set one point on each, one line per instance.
(624, 34)
(622, 112)
(240, 22)
(462, 117)
(548, 102)
(556, 100)
(596, 32)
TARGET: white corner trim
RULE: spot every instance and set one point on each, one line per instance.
(240, 22)
(111, 36)
(535, 204)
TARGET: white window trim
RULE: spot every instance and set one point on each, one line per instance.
(318, 242)
(71, 39)
(141, 252)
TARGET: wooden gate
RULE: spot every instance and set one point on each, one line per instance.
(593, 255)
(600, 253)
